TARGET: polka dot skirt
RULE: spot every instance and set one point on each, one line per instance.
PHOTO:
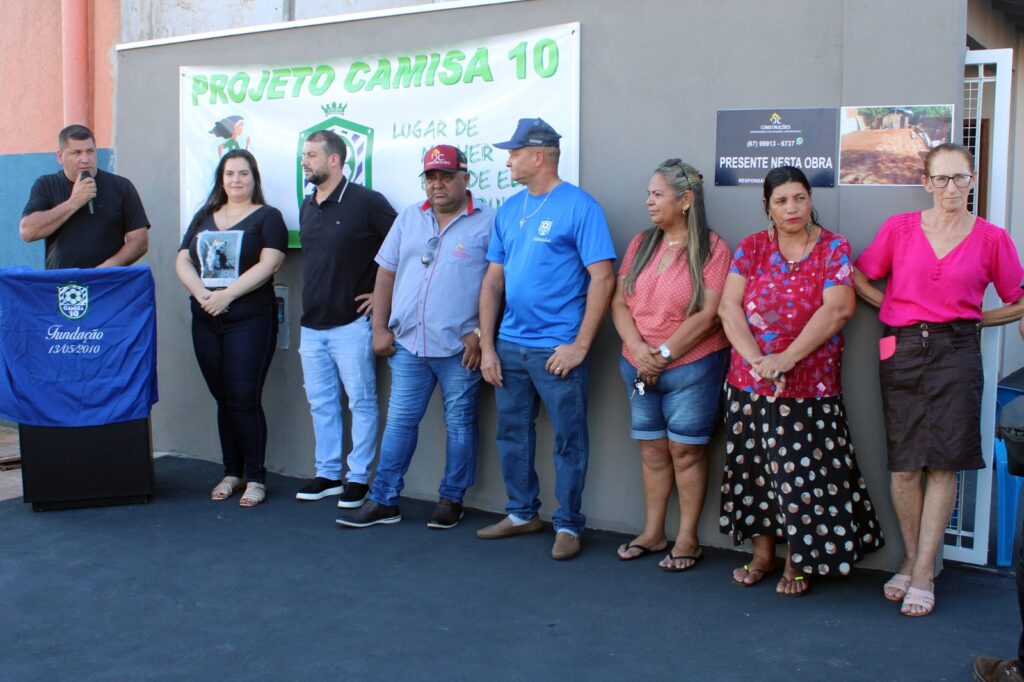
(790, 472)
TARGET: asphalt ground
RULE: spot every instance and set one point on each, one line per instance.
(184, 588)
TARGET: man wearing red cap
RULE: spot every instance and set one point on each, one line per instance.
(425, 322)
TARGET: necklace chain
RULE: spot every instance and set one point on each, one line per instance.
(522, 221)
(803, 251)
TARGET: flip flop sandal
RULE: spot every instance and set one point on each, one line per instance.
(898, 583)
(644, 551)
(916, 597)
(695, 558)
(759, 572)
(789, 581)
(226, 488)
(254, 495)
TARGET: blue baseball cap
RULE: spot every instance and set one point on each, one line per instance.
(531, 132)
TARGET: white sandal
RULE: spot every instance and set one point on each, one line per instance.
(254, 495)
(226, 488)
(898, 583)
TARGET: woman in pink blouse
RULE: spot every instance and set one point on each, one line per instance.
(939, 262)
(790, 471)
(665, 308)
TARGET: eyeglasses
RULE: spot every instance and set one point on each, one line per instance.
(960, 180)
(428, 257)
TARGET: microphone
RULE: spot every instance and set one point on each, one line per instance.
(87, 174)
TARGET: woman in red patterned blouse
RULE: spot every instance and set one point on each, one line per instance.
(790, 472)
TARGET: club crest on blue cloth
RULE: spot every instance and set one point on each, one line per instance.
(545, 228)
(73, 300)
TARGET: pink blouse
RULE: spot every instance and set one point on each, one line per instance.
(924, 288)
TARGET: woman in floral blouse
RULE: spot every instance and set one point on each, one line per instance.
(790, 472)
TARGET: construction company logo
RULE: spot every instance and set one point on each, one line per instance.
(544, 228)
(358, 141)
(73, 300)
(436, 157)
(775, 119)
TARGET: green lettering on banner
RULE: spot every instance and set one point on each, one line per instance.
(237, 86)
(300, 74)
(256, 94)
(479, 67)
(435, 59)
(277, 83)
(545, 58)
(323, 78)
(217, 83)
(381, 77)
(453, 67)
(200, 86)
(410, 72)
(351, 82)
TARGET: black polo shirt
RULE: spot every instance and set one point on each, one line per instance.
(340, 237)
(87, 239)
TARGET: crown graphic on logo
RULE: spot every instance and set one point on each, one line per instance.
(436, 156)
(332, 108)
(775, 119)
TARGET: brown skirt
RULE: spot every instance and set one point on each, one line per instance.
(931, 397)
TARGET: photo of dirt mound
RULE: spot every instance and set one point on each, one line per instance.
(886, 145)
(881, 157)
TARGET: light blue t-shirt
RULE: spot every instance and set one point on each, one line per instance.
(435, 304)
(545, 262)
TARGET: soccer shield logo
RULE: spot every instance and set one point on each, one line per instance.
(73, 300)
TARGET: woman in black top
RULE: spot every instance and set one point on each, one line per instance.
(227, 260)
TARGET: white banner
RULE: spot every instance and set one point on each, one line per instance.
(389, 108)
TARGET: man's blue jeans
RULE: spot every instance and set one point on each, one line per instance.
(412, 383)
(344, 353)
(525, 384)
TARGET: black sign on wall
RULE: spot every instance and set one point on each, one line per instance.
(750, 142)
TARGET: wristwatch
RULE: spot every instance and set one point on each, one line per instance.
(665, 352)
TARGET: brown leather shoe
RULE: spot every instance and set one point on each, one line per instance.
(566, 546)
(990, 669)
(506, 529)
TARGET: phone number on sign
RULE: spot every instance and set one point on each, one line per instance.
(74, 349)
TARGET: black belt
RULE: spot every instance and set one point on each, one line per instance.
(926, 329)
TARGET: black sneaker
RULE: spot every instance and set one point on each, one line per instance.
(370, 514)
(447, 514)
(354, 495)
(319, 488)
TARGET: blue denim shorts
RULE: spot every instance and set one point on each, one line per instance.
(683, 405)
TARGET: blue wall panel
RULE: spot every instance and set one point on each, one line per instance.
(17, 173)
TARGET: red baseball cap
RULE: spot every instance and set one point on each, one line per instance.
(444, 157)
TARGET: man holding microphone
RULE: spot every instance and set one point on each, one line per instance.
(89, 218)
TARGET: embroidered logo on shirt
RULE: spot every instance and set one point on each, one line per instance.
(544, 228)
(460, 252)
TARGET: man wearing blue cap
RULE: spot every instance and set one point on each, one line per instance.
(551, 264)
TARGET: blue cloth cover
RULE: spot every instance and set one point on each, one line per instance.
(77, 346)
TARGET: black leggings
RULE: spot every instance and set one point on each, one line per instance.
(234, 351)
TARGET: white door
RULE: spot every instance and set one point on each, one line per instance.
(986, 123)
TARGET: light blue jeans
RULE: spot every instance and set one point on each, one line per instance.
(344, 352)
(412, 383)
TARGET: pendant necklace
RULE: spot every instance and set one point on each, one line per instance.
(794, 265)
(522, 221)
